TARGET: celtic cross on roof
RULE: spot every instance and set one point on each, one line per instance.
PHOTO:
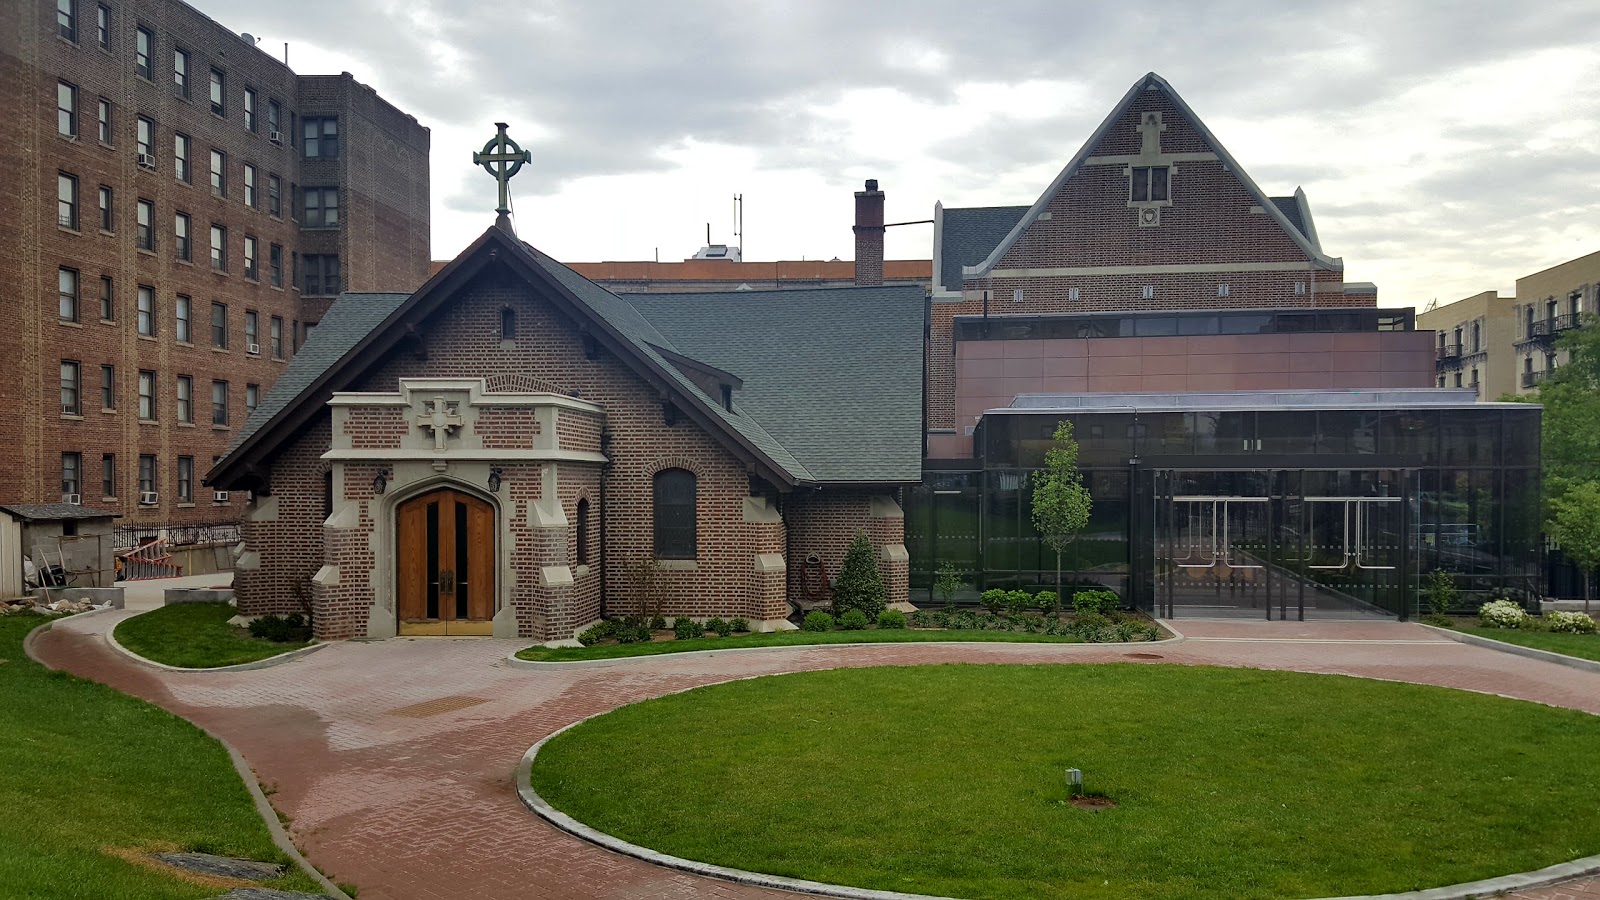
(501, 158)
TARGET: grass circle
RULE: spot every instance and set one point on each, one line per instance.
(949, 780)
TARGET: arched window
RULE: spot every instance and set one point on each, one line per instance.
(508, 324)
(582, 535)
(675, 514)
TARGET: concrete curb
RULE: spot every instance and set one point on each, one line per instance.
(1560, 659)
(1060, 646)
(1470, 890)
(267, 663)
(264, 808)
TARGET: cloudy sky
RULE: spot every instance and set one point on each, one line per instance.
(1446, 147)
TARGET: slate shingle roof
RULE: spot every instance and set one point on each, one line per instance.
(968, 235)
(1290, 207)
(50, 512)
(833, 374)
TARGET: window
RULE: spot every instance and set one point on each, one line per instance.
(145, 140)
(219, 248)
(274, 190)
(180, 230)
(108, 299)
(219, 325)
(147, 474)
(105, 121)
(1222, 290)
(250, 270)
(67, 200)
(185, 479)
(106, 206)
(145, 220)
(252, 398)
(322, 207)
(180, 71)
(508, 324)
(108, 387)
(147, 396)
(180, 156)
(1148, 184)
(102, 27)
(218, 107)
(143, 46)
(1073, 294)
(1299, 288)
(219, 403)
(1441, 381)
(66, 109)
(219, 173)
(322, 138)
(1148, 292)
(275, 265)
(67, 289)
(252, 338)
(322, 275)
(275, 334)
(184, 306)
(71, 473)
(583, 531)
(1458, 379)
(250, 108)
(108, 475)
(145, 310)
(67, 19)
(294, 202)
(1477, 338)
(185, 398)
(274, 120)
(250, 186)
(69, 388)
(675, 514)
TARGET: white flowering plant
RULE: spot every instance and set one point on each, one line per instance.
(1501, 614)
(1573, 622)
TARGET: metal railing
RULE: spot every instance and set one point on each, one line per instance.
(1531, 379)
(128, 537)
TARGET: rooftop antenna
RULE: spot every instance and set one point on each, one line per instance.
(286, 53)
(708, 234)
(738, 222)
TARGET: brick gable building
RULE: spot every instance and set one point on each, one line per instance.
(504, 449)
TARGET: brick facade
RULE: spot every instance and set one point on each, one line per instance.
(382, 184)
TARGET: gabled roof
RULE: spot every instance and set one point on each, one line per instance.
(360, 328)
(1298, 211)
(1151, 81)
(966, 237)
(834, 374)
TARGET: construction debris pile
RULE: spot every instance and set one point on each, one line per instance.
(31, 604)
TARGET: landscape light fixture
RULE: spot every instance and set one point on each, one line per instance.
(1074, 782)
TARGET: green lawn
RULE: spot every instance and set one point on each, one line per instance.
(1584, 646)
(782, 639)
(948, 780)
(195, 636)
(86, 772)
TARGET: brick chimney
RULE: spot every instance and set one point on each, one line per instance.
(869, 235)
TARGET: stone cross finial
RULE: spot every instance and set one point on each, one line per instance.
(441, 417)
(501, 158)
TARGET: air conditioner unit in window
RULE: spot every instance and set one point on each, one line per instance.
(74, 499)
(254, 349)
(220, 496)
(68, 410)
(276, 137)
(147, 161)
(149, 498)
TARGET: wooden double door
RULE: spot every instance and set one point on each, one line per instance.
(445, 558)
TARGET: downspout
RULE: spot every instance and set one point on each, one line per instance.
(927, 358)
(605, 559)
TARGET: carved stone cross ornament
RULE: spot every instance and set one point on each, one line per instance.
(441, 417)
(501, 158)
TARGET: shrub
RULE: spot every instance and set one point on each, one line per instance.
(818, 621)
(1091, 620)
(720, 626)
(595, 633)
(1017, 601)
(858, 585)
(1573, 622)
(632, 630)
(270, 627)
(685, 628)
(948, 582)
(891, 618)
(1441, 621)
(1501, 614)
(853, 620)
(993, 600)
(739, 624)
(294, 620)
(1047, 601)
(1102, 602)
(658, 623)
(1441, 591)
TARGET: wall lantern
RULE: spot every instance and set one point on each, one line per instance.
(380, 481)
(494, 479)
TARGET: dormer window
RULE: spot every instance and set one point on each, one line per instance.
(1149, 184)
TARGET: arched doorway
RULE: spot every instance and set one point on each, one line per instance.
(445, 564)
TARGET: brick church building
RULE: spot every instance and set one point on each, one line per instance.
(505, 450)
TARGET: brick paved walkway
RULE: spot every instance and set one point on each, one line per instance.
(395, 760)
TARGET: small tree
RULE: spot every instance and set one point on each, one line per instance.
(1575, 523)
(1441, 590)
(1061, 503)
(644, 574)
(948, 583)
(858, 585)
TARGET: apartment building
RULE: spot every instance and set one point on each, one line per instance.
(1475, 337)
(177, 210)
(1549, 303)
